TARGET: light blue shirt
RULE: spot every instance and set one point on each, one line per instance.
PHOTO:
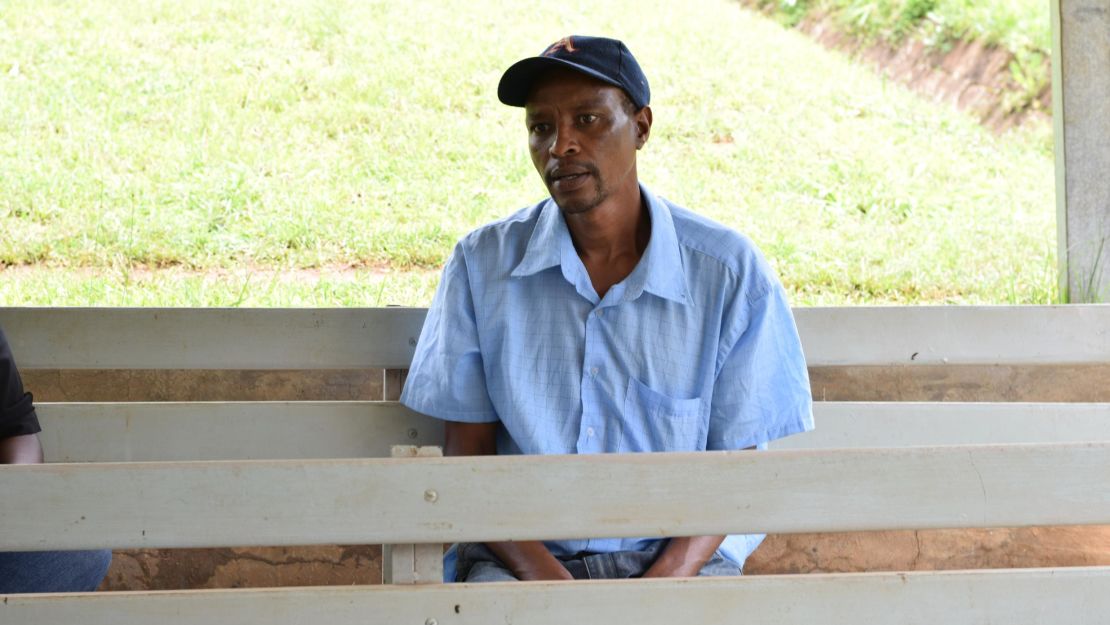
(695, 350)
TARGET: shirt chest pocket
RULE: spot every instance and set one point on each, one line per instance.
(653, 421)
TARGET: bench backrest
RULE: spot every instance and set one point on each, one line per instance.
(431, 500)
(297, 498)
(151, 338)
(837, 339)
(142, 431)
(436, 500)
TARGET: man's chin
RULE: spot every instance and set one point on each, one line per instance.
(576, 206)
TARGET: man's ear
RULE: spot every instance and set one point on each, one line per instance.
(642, 119)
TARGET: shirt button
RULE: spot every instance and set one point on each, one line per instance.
(593, 372)
(600, 312)
(589, 431)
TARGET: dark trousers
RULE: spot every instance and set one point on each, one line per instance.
(476, 563)
(52, 571)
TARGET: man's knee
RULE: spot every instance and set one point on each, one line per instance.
(53, 571)
(489, 572)
(476, 563)
(93, 567)
(719, 566)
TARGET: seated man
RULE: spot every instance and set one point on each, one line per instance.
(604, 319)
(36, 571)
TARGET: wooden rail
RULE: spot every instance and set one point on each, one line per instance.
(135, 431)
(1076, 596)
(151, 338)
(430, 500)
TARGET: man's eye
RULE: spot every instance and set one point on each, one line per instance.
(538, 129)
(587, 118)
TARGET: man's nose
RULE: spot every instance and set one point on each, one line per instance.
(565, 141)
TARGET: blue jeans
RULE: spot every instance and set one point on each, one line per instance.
(476, 563)
(52, 571)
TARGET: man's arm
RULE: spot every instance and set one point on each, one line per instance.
(528, 560)
(24, 449)
(684, 557)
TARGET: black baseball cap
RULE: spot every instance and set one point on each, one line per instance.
(607, 60)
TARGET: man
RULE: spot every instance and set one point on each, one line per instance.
(36, 571)
(604, 319)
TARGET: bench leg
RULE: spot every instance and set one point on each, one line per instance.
(413, 564)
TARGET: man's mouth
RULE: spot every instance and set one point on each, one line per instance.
(571, 176)
(568, 179)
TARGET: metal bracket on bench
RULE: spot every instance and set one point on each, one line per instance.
(419, 563)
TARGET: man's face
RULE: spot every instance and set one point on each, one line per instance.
(583, 138)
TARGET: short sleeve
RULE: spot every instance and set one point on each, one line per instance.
(17, 410)
(762, 389)
(446, 379)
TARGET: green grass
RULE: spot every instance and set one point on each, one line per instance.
(121, 286)
(157, 154)
(1016, 25)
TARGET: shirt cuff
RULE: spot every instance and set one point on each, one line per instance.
(445, 414)
(797, 425)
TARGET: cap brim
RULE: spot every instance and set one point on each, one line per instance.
(517, 81)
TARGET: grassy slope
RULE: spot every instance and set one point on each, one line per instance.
(311, 133)
(1015, 24)
(1020, 26)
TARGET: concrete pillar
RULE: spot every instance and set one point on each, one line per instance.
(1081, 112)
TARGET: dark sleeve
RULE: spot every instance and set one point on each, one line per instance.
(17, 412)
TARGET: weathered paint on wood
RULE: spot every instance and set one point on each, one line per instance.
(167, 431)
(1081, 64)
(1084, 382)
(904, 424)
(212, 338)
(57, 338)
(923, 335)
(413, 563)
(167, 385)
(1078, 596)
(133, 431)
(1058, 151)
(520, 498)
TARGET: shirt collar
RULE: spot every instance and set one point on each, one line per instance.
(660, 270)
(544, 248)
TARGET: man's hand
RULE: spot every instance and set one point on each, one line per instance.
(24, 449)
(684, 557)
(469, 439)
(528, 560)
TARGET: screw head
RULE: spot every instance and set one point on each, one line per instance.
(413, 433)
(412, 342)
(430, 496)
(431, 621)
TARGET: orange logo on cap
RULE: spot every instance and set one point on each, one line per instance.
(566, 43)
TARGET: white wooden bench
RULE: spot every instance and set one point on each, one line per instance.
(282, 473)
